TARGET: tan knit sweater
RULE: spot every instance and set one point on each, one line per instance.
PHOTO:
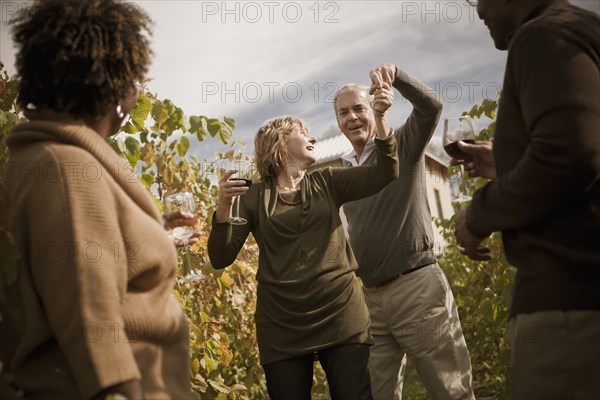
(93, 303)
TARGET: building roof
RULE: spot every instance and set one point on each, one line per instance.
(331, 148)
(333, 145)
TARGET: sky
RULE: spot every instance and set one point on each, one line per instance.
(255, 60)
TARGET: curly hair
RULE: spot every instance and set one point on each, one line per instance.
(269, 145)
(80, 56)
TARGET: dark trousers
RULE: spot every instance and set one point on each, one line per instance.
(346, 367)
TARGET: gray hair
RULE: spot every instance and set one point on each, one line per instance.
(352, 87)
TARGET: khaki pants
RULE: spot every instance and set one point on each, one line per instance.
(555, 355)
(415, 316)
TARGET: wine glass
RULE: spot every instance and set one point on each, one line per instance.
(183, 202)
(455, 129)
(244, 173)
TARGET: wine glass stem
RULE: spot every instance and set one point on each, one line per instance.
(461, 172)
(237, 207)
(187, 262)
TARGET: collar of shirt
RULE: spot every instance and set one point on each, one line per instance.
(351, 155)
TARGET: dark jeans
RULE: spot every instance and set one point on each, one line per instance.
(346, 367)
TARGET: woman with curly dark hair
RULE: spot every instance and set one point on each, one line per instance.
(92, 311)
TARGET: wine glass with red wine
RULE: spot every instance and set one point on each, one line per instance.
(244, 173)
(455, 129)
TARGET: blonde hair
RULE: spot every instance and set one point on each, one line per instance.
(270, 149)
(352, 87)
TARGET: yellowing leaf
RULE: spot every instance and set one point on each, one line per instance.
(226, 279)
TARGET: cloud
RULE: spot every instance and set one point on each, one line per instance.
(252, 60)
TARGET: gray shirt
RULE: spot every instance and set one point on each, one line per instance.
(390, 232)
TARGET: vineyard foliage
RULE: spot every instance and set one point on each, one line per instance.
(158, 142)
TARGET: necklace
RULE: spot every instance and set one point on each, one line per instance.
(287, 189)
(288, 203)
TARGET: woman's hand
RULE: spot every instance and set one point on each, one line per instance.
(383, 99)
(228, 190)
(173, 220)
(384, 73)
(130, 390)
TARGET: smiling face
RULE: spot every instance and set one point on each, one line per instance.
(300, 146)
(355, 117)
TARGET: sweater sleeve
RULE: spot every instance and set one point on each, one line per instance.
(80, 279)
(358, 182)
(225, 240)
(418, 129)
(556, 84)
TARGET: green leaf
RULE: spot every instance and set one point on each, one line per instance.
(210, 363)
(118, 146)
(160, 112)
(199, 127)
(199, 382)
(183, 146)
(8, 120)
(132, 153)
(176, 121)
(213, 127)
(230, 122)
(148, 180)
(219, 386)
(204, 318)
(133, 146)
(489, 108)
(140, 112)
(224, 133)
(129, 128)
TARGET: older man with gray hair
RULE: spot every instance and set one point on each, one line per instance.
(413, 313)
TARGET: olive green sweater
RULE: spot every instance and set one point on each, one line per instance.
(391, 231)
(309, 297)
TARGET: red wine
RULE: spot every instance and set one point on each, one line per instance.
(455, 152)
(247, 181)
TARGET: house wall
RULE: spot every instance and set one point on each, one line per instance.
(437, 181)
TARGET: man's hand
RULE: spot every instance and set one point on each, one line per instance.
(383, 99)
(383, 74)
(481, 162)
(468, 244)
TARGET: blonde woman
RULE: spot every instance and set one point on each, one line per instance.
(309, 298)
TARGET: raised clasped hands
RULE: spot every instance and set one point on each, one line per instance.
(481, 161)
(384, 73)
(382, 79)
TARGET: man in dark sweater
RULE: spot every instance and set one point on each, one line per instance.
(412, 308)
(545, 194)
